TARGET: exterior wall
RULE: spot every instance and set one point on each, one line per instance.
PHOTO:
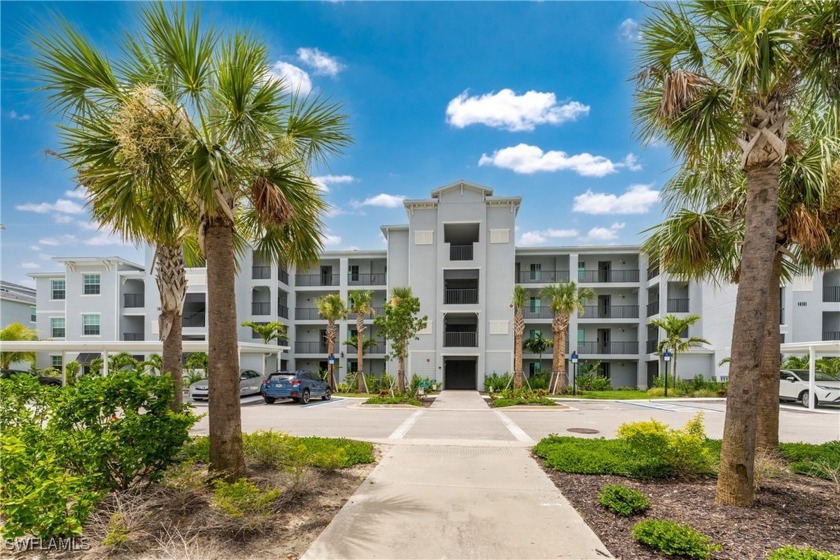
(14, 311)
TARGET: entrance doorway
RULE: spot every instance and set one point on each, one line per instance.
(459, 373)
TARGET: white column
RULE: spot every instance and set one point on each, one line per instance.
(812, 370)
(105, 362)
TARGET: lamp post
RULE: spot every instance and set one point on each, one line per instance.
(574, 372)
(667, 357)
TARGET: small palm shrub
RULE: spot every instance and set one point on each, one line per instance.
(622, 500)
(674, 539)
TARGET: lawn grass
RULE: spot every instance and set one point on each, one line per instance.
(498, 403)
(398, 399)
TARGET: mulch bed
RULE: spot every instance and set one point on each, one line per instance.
(796, 510)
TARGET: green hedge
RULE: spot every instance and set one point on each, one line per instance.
(810, 459)
(522, 400)
(600, 456)
(794, 553)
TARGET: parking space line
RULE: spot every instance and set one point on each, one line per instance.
(514, 429)
(697, 407)
(409, 422)
(647, 406)
(322, 403)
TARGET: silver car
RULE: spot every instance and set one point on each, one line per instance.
(249, 384)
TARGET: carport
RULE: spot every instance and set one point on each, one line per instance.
(827, 348)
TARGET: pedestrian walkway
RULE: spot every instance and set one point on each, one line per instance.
(450, 496)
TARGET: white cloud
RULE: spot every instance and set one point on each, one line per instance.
(629, 30)
(294, 79)
(631, 162)
(45, 257)
(60, 205)
(104, 239)
(331, 240)
(525, 159)
(637, 199)
(58, 240)
(63, 219)
(34, 248)
(352, 248)
(320, 62)
(79, 193)
(323, 182)
(512, 112)
(29, 265)
(530, 238)
(382, 199)
(604, 234)
(87, 226)
(15, 116)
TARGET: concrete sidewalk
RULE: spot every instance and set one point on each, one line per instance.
(457, 499)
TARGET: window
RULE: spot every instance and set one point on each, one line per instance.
(57, 327)
(91, 325)
(56, 362)
(354, 273)
(91, 283)
(534, 333)
(33, 317)
(536, 271)
(534, 304)
(58, 289)
(533, 368)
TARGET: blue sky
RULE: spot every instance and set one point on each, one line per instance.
(530, 99)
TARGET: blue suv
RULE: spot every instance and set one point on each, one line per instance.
(299, 385)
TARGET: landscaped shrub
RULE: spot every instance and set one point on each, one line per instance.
(600, 456)
(674, 539)
(593, 382)
(539, 381)
(243, 498)
(396, 399)
(267, 449)
(683, 449)
(622, 500)
(333, 453)
(794, 553)
(497, 382)
(534, 400)
(814, 460)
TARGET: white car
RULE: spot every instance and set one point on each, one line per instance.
(794, 387)
(249, 384)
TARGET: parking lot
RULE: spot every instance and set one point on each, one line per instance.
(343, 417)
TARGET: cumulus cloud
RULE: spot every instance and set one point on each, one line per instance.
(539, 237)
(58, 240)
(79, 193)
(510, 111)
(525, 159)
(384, 200)
(604, 234)
(323, 182)
(631, 162)
(61, 205)
(320, 62)
(629, 30)
(87, 225)
(29, 266)
(332, 240)
(637, 199)
(15, 116)
(294, 79)
(63, 219)
(34, 248)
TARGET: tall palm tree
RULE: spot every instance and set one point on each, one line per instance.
(250, 145)
(332, 308)
(717, 80)
(674, 326)
(360, 304)
(538, 344)
(520, 296)
(563, 300)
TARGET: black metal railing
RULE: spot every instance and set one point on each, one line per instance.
(594, 347)
(610, 312)
(781, 315)
(311, 348)
(593, 276)
(652, 308)
(677, 305)
(537, 313)
(460, 339)
(460, 296)
(316, 279)
(133, 336)
(283, 276)
(831, 293)
(194, 319)
(260, 272)
(831, 335)
(650, 346)
(652, 272)
(373, 279)
(282, 311)
(260, 308)
(543, 276)
(133, 300)
(307, 313)
(460, 251)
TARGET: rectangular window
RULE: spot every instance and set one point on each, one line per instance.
(354, 273)
(91, 325)
(91, 283)
(581, 334)
(536, 271)
(56, 362)
(58, 289)
(533, 368)
(33, 317)
(57, 327)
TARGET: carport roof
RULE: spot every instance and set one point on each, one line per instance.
(821, 347)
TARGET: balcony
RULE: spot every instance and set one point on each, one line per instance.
(594, 347)
(650, 346)
(460, 296)
(611, 312)
(595, 276)
(307, 314)
(133, 300)
(677, 305)
(543, 276)
(260, 272)
(311, 348)
(374, 279)
(652, 308)
(379, 348)
(460, 252)
(537, 313)
(282, 311)
(260, 308)
(283, 276)
(460, 339)
(652, 272)
(316, 279)
(133, 336)
(831, 293)
(831, 335)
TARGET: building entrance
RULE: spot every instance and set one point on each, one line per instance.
(459, 373)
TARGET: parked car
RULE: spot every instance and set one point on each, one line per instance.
(299, 385)
(793, 386)
(42, 379)
(249, 384)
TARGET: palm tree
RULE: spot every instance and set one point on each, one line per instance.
(360, 304)
(717, 80)
(563, 300)
(538, 344)
(331, 307)
(520, 296)
(674, 326)
(16, 331)
(268, 332)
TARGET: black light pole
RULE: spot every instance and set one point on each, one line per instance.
(667, 357)
(574, 372)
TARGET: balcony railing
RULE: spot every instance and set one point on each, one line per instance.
(652, 272)
(260, 272)
(377, 349)
(537, 313)
(260, 308)
(594, 347)
(282, 311)
(781, 315)
(677, 305)
(316, 279)
(307, 313)
(831, 335)
(311, 348)
(592, 276)
(283, 276)
(831, 293)
(611, 312)
(133, 336)
(460, 296)
(650, 346)
(652, 308)
(194, 319)
(543, 276)
(460, 252)
(133, 300)
(374, 279)
(460, 339)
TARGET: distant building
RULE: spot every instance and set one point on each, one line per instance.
(17, 305)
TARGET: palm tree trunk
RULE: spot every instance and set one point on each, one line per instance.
(331, 352)
(558, 355)
(767, 429)
(737, 457)
(674, 371)
(518, 331)
(360, 327)
(223, 379)
(171, 280)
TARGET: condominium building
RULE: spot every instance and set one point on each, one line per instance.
(457, 253)
(17, 305)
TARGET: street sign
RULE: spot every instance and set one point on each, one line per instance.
(332, 359)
